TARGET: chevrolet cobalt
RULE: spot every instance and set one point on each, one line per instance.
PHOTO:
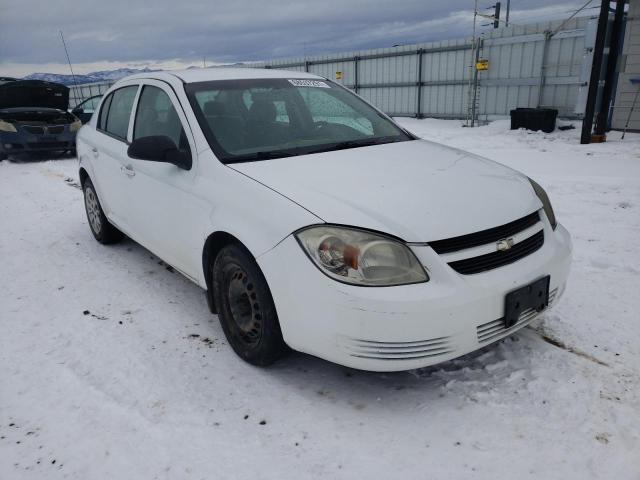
(316, 223)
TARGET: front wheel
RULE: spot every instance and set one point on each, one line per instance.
(245, 307)
(102, 230)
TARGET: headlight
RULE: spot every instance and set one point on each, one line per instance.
(359, 257)
(546, 203)
(7, 127)
(75, 126)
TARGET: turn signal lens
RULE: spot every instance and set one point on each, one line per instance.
(7, 127)
(360, 257)
(546, 203)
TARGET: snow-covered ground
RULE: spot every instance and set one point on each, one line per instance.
(111, 366)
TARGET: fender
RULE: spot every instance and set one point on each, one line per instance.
(259, 217)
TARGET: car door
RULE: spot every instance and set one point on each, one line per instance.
(166, 215)
(109, 152)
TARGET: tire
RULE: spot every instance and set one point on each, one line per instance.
(245, 307)
(102, 230)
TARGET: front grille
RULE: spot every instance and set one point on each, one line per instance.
(497, 259)
(483, 237)
(33, 129)
(38, 130)
(496, 329)
(48, 145)
(399, 350)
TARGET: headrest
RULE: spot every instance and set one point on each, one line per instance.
(262, 110)
(214, 108)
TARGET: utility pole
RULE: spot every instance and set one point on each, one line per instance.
(594, 79)
(602, 117)
(494, 18)
(472, 67)
(496, 15)
(506, 20)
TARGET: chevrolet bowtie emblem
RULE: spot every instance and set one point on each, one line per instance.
(504, 244)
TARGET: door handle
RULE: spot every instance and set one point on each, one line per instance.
(128, 170)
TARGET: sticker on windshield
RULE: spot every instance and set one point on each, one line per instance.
(309, 83)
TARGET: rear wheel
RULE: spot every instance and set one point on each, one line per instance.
(102, 230)
(245, 307)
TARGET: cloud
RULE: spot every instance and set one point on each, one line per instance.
(10, 69)
(124, 32)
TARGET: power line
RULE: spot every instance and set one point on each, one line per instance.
(572, 15)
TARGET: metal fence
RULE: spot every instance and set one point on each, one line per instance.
(526, 68)
(79, 93)
(434, 79)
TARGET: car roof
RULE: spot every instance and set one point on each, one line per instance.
(194, 75)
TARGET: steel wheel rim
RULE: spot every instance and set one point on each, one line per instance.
(93, 210)
(244, 307)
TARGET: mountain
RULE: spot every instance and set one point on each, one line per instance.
(93, 77)
(108, 75)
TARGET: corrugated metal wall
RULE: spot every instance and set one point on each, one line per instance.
(627, 91)
(433, 79)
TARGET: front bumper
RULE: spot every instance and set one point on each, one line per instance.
(22, 142)
(410, 326)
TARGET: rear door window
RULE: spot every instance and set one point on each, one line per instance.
(120, 106)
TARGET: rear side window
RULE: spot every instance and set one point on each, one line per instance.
(118, 108)
(156, 115)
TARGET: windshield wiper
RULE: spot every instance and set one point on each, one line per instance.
(353, 144)
(272, 154)
(262, 155)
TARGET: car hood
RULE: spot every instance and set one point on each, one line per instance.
(34, 93)
(36, 116)
(417, 190)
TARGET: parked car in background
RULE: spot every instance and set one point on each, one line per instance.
(85, 109)
(315, 222)
(34, 118)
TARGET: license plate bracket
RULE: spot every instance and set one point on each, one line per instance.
(533, 296)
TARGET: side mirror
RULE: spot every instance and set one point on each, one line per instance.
(77, 111)
(159, 148)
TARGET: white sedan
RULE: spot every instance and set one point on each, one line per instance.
(314, 222)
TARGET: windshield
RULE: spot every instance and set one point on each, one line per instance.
(259, 119)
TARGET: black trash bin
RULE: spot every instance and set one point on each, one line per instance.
(534, 119)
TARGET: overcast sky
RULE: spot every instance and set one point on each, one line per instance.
(108, 34)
